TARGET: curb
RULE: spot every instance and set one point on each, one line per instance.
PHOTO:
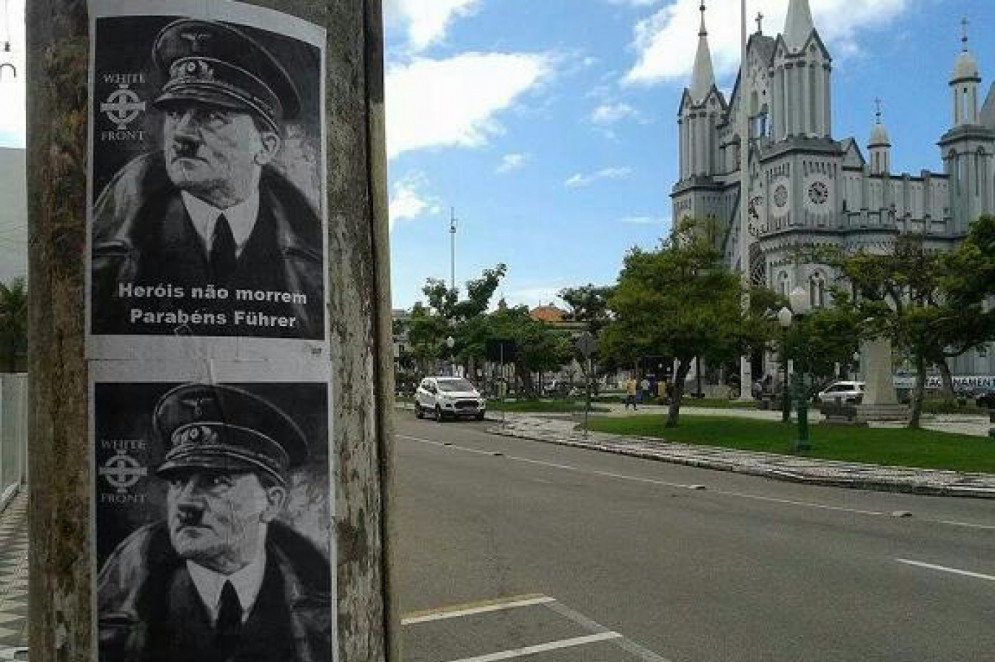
(800, 477)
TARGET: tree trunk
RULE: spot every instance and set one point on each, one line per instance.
(948, 381)
(524, 377)
(918, 393)
(674, 410)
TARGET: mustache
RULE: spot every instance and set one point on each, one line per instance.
(189, 516)
(183, 148)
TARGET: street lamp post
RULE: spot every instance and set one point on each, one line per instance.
(784, 318)
(800, 306)
(450, 343)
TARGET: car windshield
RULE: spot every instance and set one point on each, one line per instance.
(454, 385)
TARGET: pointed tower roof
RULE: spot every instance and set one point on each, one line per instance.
(703, 77)
(879, 134)
(799, 25)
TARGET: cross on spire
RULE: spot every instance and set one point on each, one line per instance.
(702, 32)
(877, 104)
(964, 23)
(760, 22)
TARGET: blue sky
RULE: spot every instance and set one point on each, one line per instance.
(550, 124)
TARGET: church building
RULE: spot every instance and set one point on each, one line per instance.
(805, 187)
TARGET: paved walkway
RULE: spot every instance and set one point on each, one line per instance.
(977, 426)
(563, 431)
(14, 577)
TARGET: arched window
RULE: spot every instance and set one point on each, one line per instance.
(783, 283)
(817, 290)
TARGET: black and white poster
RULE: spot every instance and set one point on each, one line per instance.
(207, 173)
(213, 521)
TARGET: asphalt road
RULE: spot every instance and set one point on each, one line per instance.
(513, 549)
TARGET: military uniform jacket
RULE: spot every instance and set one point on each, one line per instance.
(149, 611)
(144, 237)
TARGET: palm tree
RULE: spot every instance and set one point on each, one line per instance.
(13, 323)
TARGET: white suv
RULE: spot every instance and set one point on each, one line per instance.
(842, 393)
(449, 397)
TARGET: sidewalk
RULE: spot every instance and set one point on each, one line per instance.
(565, 432)
(14, 576)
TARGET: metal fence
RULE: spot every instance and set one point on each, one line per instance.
(13, 435)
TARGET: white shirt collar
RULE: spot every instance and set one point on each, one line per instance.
(241, 218)
(246, 582)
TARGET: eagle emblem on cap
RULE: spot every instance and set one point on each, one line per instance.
(197, 404)
(196, 40)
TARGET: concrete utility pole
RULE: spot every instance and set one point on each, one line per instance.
(357, 341)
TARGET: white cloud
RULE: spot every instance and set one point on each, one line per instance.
(454, 102)
(426, 21)
(609, 113)
(510, 162)
(12, 94)
(666, 41)
(578, 180)
(408, 200)
(645, 220)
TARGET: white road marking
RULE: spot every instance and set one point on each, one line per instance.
(542, 648)
(955, 571)
(807, 504)
(482, 609)
(968, 525)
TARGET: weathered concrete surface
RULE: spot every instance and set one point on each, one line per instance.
(60, 616)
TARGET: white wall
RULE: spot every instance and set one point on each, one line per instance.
(13, 215)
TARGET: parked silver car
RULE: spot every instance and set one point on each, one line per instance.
(449, 397)
(851, 393)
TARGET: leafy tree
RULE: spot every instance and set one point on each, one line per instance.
(588, 304)
(446, 314)
(678, 301)
(539, 347)
(13, 323)
(927, 303)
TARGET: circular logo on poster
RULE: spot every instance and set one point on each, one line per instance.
(122, 471)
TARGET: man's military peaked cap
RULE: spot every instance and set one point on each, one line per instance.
(214, 427)
(215, 64)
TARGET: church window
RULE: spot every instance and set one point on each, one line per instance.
(783, 282)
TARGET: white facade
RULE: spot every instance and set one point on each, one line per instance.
(807, 188)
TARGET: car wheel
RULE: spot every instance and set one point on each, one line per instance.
(480, 416)
(418, 411)
(438, 414)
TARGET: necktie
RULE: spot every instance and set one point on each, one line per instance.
(229, 624)
(222, 256)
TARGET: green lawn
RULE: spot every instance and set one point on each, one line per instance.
(541, 406)
(892, 447)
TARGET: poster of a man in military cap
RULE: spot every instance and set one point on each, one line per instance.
(207, 173)
(213, 522)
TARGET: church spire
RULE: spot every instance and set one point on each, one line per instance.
(799, 24)
(703, 77)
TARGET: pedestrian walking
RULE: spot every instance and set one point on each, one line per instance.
(630, 393)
